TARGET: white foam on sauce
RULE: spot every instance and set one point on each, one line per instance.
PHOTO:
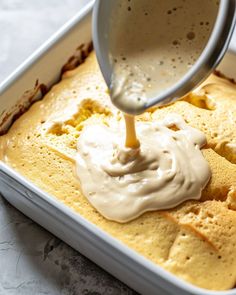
(153, 44)
(122, 183)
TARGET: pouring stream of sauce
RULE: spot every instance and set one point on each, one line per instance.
(131, 140)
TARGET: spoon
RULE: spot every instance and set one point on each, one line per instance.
(213, 51)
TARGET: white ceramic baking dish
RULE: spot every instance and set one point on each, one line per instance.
(136, 271)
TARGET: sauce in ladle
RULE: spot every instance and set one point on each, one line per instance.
(153, 44)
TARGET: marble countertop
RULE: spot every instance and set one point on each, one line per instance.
(35, 261)
(32, 260)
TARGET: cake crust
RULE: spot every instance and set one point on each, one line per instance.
(197, 240)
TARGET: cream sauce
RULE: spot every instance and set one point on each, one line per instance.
(122, 183)
(153, 44)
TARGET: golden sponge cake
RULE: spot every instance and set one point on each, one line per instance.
(197, 240)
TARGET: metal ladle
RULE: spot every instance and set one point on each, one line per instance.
(214, 50)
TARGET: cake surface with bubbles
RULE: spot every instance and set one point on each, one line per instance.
(197, 240)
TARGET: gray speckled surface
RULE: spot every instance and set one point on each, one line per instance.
(33, 261)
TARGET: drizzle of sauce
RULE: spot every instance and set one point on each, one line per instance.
(131, 140)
